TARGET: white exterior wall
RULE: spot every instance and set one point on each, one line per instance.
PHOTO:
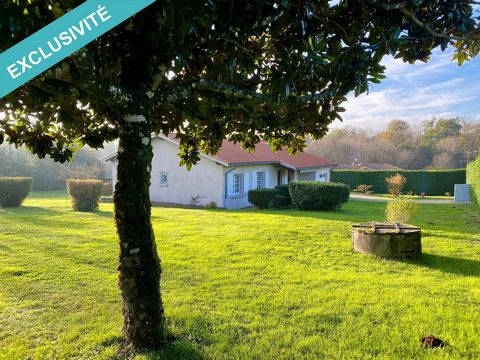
(241, 201)
(114, 173)
(204, 179)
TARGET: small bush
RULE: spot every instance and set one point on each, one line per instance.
(401, 209)
(396, 183)
(262, 197)
(363, 188)
(195, 200)
(14, 190)
(85, 194)
(312, 195)
(280, 202)
(211, 205)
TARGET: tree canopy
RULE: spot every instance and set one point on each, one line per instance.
(209, 70)
(435, 144)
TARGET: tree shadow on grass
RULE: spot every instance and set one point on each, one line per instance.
(447, 264)
(175, 349)
(181, 350)
(28, 211)
(346, 213)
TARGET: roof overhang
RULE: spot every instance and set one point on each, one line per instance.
(112, 156)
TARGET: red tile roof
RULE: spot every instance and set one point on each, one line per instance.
(231, 153)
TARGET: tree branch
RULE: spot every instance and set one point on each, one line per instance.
(401, 7)
(184, 90)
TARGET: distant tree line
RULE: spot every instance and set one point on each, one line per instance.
(435, 144)
(48, 174)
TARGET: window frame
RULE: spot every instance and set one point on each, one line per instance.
(162, 175)
(236, 177)
(261, 176)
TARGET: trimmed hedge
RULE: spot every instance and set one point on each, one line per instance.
(262, 197)
(85, 194)
(430, 182)
(14, 190)
(280, 202)
(283, 190)
(473, 178)
(313, 195)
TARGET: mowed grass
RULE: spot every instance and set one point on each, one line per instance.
(240, 285)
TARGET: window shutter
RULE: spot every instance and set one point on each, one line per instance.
(254, 180)
(229, 185)
(267, 179)
(246, 183)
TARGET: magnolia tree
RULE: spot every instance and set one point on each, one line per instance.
(208, 70)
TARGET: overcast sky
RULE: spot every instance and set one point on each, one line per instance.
(417, 92)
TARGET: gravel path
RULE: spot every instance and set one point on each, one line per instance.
(377, 198)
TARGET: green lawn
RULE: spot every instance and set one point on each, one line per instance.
(240, 285)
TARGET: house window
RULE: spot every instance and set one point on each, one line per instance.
(163, 179)
(237, 184)
(261, 180)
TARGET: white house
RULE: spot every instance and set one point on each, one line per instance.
(225, 178)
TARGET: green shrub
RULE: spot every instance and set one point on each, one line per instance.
(313, 195)
(401, 209)
(473, 178)
(14, 190)
(211, 205)
(280, 202)
(431, 182)
(262, 197)
(85, 194)
(283, 190)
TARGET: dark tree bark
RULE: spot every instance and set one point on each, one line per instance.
(144, 321)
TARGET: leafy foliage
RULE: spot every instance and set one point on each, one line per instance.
(85, 194)
(313, 195)
(280, 202)
(401, 209)
(243, 70)
(396, 183)
(284, 190)
(473, 178)
(14, 190)
(262, 197)
(47, 174)
(430, 182)
(211, 205)
(436, 144)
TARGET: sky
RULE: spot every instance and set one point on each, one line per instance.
(418, 92)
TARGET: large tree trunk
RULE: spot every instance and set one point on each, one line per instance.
(144, 321)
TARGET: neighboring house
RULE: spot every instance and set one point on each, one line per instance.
(368, 166)
(225, 178)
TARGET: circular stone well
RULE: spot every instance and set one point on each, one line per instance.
(387, 240)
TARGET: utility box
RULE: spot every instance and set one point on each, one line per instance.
(461, 194)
